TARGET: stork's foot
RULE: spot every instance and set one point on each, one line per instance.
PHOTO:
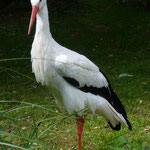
(80, 123)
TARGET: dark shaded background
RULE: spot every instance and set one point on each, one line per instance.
(57, 4)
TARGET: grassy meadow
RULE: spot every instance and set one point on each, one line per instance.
(115, 37)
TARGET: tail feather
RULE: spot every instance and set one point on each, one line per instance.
(118, 119)
(117, 127)
(114, 101)
(121, 110)
(129, 125)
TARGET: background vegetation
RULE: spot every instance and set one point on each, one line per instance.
(113, 34)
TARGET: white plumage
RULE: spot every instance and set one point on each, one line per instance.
(69, 75)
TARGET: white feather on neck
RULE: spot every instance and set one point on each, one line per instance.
(42, 46)
(42, 22)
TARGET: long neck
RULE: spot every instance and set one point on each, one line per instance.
(42, 23)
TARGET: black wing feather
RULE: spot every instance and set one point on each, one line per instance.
(105, 92)
(72, 81)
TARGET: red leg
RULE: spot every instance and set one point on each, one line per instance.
(80, 123)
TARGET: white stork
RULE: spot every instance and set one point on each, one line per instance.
(73, 79)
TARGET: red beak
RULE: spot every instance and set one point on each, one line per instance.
(35, 10)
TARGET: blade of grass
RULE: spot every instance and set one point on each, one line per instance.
(14, 109)
(33, 105)
(12, 59)
(47, 119)
(17, 72)
(21, 137)
(50, 126)
(4, 126)
(13, 146)
(36, 126)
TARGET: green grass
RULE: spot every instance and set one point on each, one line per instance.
(114, 37)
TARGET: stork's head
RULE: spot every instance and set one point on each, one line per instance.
(37, 5)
